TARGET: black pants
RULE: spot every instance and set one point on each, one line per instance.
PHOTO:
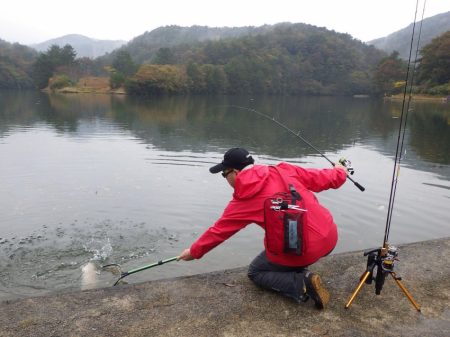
(286, 280)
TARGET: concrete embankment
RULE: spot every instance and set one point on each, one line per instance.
(227, 304)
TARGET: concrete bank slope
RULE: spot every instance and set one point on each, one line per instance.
(227, 304)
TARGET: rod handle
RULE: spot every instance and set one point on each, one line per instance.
(358, 185)
(361, 188)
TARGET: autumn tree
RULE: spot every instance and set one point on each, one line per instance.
(391, 70)
(153, 79)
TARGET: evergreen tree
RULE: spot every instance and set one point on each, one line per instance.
(67, 55)
(42, 70)
(123, 63)
(47, 63)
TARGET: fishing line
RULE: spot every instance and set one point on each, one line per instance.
(296, 134)
(402, 125)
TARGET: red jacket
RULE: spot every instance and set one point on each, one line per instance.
(253, 186)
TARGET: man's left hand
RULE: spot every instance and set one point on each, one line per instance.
(186, 255)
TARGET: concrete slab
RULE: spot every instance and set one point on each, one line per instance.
(227, 304)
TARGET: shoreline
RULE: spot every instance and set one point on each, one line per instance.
(121, 91)
(101, 85)
(84, 90)
(227, 303)
(437, 99)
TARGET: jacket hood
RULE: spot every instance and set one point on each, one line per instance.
(250, 181)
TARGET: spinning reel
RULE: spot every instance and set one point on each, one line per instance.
(348, 165)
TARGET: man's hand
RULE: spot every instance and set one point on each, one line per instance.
(340, 166)
(186, 255)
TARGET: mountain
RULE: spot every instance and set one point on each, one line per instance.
(143, 48)
(283, 59)
(401, 40)
(83, 45)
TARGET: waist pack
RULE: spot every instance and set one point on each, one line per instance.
(283, 222)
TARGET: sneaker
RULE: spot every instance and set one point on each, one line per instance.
(315, 290)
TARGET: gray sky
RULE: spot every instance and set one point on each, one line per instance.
(31, 21)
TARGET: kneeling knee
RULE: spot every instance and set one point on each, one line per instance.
(251, 273)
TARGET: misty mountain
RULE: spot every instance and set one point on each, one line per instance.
(83, 45)
(144, 47)
(401, 40)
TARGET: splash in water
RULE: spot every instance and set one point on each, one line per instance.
(100, 247)
(89, 276)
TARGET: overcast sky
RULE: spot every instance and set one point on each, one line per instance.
(33, 21)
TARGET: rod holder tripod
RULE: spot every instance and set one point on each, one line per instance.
(383, 260)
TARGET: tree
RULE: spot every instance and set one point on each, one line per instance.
(216, 79)
(196, 78)
(86, 66)
(67, 55)
(123, 67)
(152, 79)
(391, 70)
(123, 63)
(42, 70)
(164, 56)
(55, 58)
(434, 67)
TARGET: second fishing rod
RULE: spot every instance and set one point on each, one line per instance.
(297, 134)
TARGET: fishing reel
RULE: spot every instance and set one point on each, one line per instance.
(388, 259)
(383, 260)
(347, 164)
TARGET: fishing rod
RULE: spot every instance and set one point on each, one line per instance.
(402, 125)
(344, 162)
(116, 269)
(383, 259)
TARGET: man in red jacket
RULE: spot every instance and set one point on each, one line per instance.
(315, 233)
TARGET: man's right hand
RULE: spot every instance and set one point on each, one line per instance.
(340, 166)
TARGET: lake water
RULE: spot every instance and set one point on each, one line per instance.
(110, 179)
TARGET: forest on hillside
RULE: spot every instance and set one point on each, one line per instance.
(15, 66)
(289, 59)
(283, 59)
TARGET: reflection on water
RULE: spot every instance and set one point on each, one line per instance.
(95, 179)
(200, 124)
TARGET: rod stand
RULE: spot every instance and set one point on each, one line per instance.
(383, 260)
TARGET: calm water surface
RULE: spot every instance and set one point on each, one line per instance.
(100, 179)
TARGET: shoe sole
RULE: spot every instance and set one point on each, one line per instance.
(321, 296)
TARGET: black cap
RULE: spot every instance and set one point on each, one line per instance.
(236, 158)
